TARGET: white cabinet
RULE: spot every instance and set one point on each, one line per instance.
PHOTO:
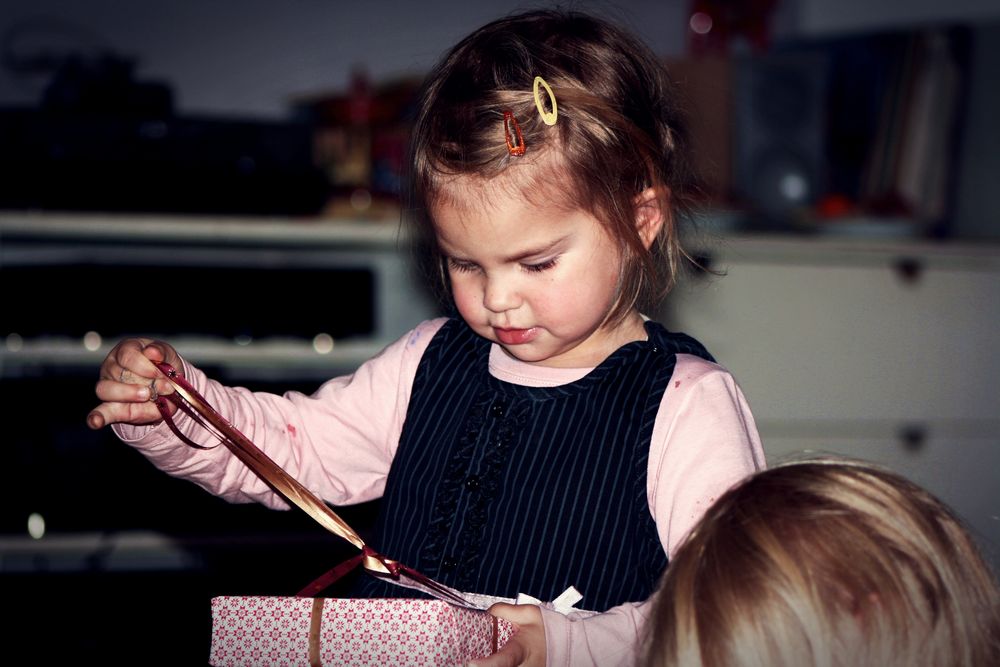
(885, 351)
(255, 298)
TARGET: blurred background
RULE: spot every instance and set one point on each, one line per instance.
(213, 151)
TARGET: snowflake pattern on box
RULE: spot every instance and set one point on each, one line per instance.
(269, 630)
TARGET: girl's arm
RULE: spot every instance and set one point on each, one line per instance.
(339, 442)
(704, 441)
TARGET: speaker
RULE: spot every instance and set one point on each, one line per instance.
(779, 106)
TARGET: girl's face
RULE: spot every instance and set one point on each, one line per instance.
(537, 279)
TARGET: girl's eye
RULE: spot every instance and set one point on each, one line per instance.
(460, 266)
(541, 266)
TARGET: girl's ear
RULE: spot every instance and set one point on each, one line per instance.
(651, 213)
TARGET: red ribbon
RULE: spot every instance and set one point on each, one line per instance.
(188, 400)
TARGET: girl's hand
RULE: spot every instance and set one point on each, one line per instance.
(128, 383)
(527, 646)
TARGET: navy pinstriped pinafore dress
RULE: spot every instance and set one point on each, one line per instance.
(502, 489)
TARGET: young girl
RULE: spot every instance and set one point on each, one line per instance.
(550, 436)
(827, 563)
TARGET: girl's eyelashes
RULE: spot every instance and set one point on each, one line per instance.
(541, 266)
(463, 266)
(459, 265)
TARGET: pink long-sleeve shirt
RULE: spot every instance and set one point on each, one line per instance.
(340, 442)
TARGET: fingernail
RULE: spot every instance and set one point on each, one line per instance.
(143, 394)
(94, 420)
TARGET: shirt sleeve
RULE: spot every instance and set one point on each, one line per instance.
(704, 441)
(609, 639)
(339, 442)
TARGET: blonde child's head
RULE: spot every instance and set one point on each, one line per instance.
(617, 143)
(826, 563)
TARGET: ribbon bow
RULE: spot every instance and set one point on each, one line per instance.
(564, 604)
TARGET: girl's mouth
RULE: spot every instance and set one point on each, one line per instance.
(515, 336)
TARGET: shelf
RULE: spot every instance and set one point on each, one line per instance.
(346, 233)
(847, 250)
(137, 551)
(136, 227)
(266, 359)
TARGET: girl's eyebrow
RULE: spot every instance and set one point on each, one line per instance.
(537, 252)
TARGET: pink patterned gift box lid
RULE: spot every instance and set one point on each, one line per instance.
(271, 630)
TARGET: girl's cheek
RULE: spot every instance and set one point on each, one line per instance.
(465, 299)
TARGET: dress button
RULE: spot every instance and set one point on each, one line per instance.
(448, 564)
(498, 409)
(472, 483)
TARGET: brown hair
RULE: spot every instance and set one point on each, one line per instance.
(826, 563)
(619, 132)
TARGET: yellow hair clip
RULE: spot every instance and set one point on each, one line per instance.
(548, 117)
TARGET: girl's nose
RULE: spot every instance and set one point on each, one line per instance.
(499, 295)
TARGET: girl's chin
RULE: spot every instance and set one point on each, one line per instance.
(523, 354)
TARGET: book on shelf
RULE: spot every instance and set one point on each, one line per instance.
(910, 166)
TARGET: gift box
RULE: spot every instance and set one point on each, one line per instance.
(272, 630)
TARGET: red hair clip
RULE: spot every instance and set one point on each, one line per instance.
(512, 132)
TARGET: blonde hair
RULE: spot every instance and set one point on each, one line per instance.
(826, 562)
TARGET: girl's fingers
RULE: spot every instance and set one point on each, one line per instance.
(138, 355)
(130, 413)
(96, 419)
(130, 382)
(124, 391)
(155, 352)
(133, 362)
